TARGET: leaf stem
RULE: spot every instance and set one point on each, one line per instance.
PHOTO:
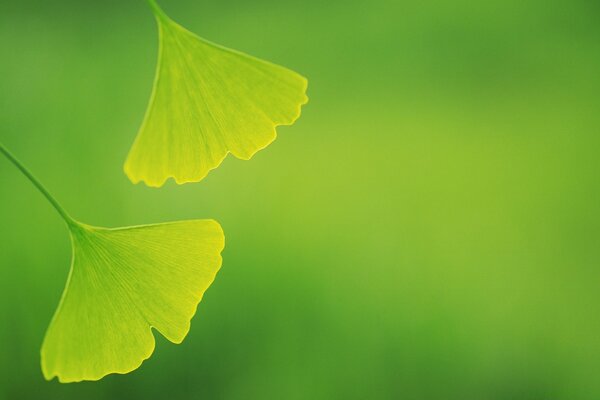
(158, 12)
(64, 215)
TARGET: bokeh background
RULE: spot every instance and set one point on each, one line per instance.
(428, 229)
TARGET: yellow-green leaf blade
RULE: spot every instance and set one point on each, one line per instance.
(123, 282)
(209, 101)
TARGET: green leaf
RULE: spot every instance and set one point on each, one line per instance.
(123, 282)
(208, 101)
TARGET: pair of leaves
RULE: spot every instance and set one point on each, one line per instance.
(207, 101)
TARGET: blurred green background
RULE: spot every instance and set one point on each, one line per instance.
(429, 229)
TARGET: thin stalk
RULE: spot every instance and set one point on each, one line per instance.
(158, 12)
(64, 215)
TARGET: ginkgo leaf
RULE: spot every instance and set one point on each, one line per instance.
(208, 101)
(122, 283)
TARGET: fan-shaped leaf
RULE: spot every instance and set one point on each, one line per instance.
(208, 101)
(123, 282)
